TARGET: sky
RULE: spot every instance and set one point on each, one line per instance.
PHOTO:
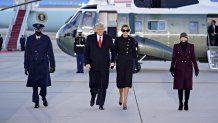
(49, 2)
(56, 2)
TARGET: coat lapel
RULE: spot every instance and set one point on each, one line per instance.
(96, 40)
(103, 41)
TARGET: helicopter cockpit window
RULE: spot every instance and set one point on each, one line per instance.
(164, 3)
(89, 19)
(76, 19)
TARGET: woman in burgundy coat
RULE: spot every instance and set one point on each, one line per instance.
(183, 61)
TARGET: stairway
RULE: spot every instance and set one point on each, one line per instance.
(12, 44)
(212, 55)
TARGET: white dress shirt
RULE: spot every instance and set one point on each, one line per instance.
(38, 37)
(99, 37)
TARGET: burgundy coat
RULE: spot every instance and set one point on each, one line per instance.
(183, 66)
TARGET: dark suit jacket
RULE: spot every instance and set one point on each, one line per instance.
(211, 30)
(183, 65)
(38, 56)
(99, 59)
(79, 45)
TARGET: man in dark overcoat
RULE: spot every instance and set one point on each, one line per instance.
(38, 63)
(213, 33)
(183, 62)
(22, 42)
(97, 61)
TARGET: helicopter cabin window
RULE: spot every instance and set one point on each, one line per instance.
(138, 26)
(157, 25)
(193, 27)
(76, 19)
(214, 0)
(164, 3)
(122, 19)
(89, 19)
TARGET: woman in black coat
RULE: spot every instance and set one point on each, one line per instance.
(126, 52)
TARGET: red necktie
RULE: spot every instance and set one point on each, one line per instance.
(99, 42)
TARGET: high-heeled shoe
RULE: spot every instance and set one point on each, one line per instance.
(124, 107)
(120, 102)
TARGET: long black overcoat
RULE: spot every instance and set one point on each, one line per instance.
(99, 58)
(38, 58)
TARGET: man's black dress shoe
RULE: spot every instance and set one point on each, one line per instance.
(45, 103)
(101, 107)
(36, 105)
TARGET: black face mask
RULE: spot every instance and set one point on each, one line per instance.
(38, 33)
(184, 43)
(80, 34)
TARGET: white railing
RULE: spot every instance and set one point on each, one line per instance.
(24, 24)
(8, 35)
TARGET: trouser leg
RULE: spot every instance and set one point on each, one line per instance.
(81, 62)
(35, 95)
(93, 92)
(77, 61)
(101, 97)
(43, 92)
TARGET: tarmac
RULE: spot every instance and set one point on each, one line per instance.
(151, 99)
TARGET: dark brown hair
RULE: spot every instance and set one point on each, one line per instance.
(184, 35)
(213, 21)
(125, 25)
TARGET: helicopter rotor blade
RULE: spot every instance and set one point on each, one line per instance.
(20, 4)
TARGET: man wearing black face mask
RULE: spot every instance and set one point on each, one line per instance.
(38, 56)
(79, 47)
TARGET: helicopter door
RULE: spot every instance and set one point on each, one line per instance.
(109, 19)
(212, 52)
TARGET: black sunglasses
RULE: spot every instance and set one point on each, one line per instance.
(125, 30)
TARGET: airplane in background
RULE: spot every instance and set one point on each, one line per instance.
(155, 24)
(52, 13)
(18, 16)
